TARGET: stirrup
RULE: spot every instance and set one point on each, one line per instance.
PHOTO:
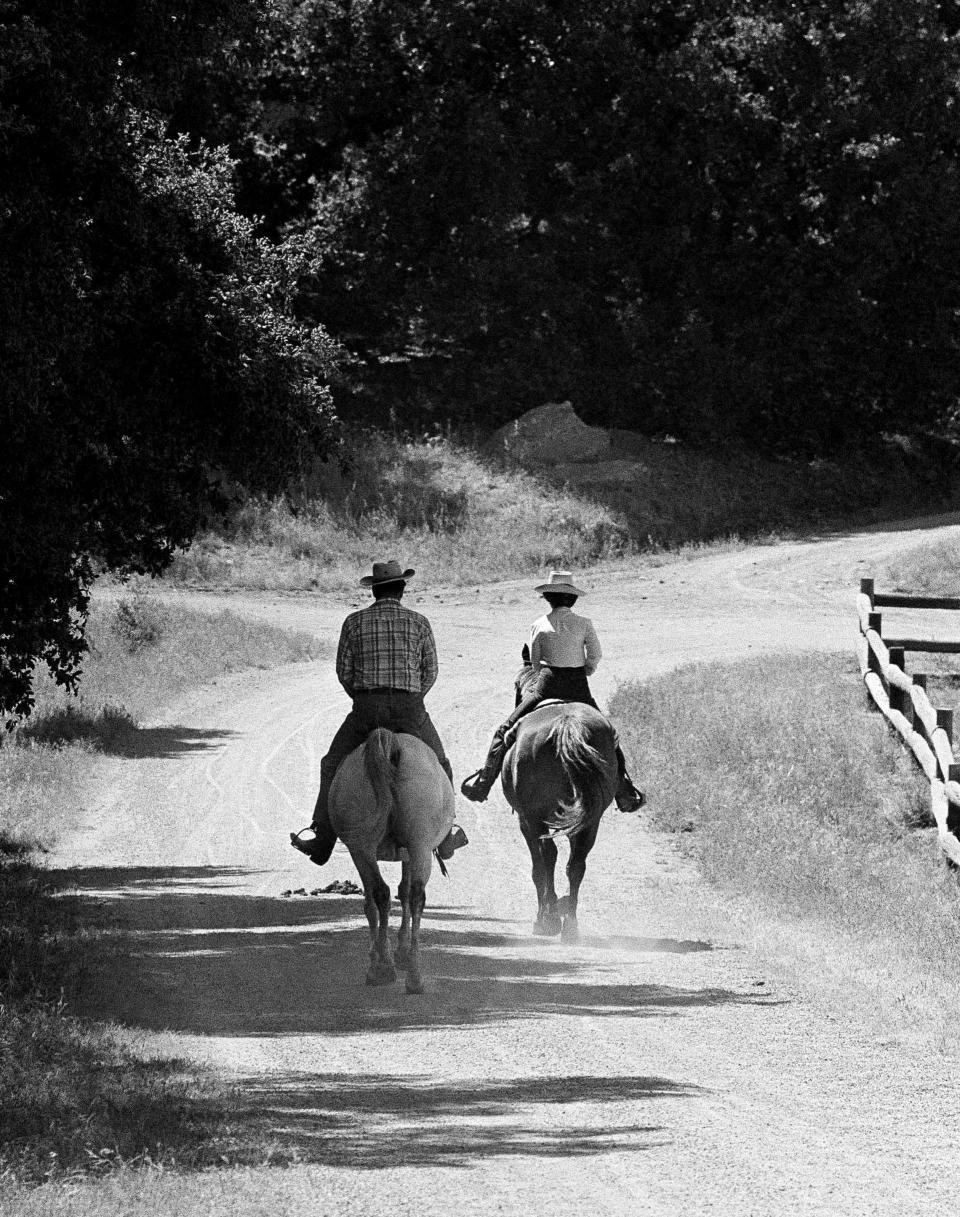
(476, 787)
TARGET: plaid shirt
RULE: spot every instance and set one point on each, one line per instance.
(386, 646)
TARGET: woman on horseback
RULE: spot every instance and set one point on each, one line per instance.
(564, 650)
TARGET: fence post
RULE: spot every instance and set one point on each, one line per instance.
(920, 680)
(898, 697)
(953, 811)
(945, 723)
(866, 589)
(873, 623)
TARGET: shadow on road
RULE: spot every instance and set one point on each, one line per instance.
(116, 734)
(366, 1121)
(191, 950)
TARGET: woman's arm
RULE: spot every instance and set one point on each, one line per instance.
(591, 648)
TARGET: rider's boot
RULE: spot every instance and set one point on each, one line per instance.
(318, 840)
(477, 786)
(628, 798)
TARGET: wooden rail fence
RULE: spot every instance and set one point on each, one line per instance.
(903, 700)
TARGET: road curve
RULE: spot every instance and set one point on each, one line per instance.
(662, 1066)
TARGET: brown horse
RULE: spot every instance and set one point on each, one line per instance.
(391, 800)
(559, 776)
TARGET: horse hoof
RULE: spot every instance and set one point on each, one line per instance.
(570, 932)
(414, 985)
(382, 974)
(547, 927)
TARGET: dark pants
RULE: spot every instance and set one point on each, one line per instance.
(565, 684)
(391, 708)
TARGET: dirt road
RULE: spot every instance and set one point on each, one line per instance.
(661, 1066)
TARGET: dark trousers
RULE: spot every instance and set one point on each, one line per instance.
(565, 684)
(391, 708)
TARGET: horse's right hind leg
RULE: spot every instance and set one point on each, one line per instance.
(581, 844)
(418, 900)
(376, 904)
(543, 855)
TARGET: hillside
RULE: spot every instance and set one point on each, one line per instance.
(465, 511)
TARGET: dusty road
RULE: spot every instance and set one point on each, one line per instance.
(660, 1067)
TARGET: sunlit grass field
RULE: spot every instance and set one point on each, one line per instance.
(788, 791)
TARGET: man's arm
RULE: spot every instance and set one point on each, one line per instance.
(345, 666)
(428, 658)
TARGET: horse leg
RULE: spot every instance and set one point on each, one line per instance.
(543, 855)
(403, 935)
(580, 845)
(420, 872)
(376, 905)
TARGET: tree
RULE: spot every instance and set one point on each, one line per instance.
(147, 336)
(731, 219)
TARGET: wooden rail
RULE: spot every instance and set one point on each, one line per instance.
(902, 699)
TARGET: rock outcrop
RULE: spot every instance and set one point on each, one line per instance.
(551, 435)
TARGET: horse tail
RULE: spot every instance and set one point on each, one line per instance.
(381, 756)
(585, 770)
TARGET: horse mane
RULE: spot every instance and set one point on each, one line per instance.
(584, 769)
(381, 756)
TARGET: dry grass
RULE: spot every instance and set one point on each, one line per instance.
(436, 504)
(143, 656)
(460, 516)
(789, 792)
(928, 570)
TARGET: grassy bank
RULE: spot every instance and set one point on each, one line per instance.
(788, 791)
(928, 570)
(143, 656)
(72, 1099)
(461, 516)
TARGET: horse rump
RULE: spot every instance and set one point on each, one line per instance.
(585, 771)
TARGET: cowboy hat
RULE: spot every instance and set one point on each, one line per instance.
(386, 572)
(560, 581)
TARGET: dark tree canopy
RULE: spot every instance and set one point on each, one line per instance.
(146, 335)
(731, 220)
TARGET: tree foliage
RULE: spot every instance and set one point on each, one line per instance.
(147, 338)
(729, 219)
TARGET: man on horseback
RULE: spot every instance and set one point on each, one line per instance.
(564, 650)
(386, 662)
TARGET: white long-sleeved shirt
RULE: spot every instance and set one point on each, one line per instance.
(564, 639)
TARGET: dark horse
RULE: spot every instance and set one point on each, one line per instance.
(560, 776)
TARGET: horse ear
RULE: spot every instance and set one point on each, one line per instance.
(525, 653)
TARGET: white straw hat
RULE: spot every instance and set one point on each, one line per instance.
(560, 581)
